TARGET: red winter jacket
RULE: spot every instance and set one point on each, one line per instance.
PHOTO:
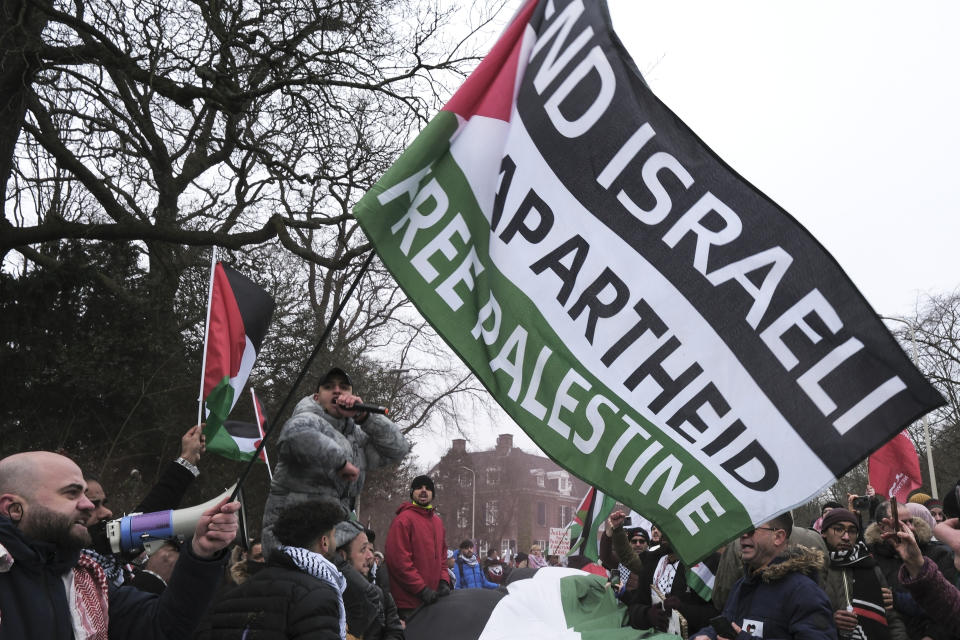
(416, 554)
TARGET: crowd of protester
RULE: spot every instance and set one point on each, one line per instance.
(870, 569)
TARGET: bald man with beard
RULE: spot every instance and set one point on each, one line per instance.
(49, 590)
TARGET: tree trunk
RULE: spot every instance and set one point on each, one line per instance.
(21, 24)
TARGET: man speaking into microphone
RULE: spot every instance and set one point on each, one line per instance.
(326, 448)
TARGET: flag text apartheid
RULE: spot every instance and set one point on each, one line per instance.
(657, 325)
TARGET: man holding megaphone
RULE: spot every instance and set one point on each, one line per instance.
(326, 448)
(175, 478)
(48, 589)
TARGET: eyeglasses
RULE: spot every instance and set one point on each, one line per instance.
(750, 533)
(840, 530)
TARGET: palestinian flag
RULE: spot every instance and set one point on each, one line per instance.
(239, 313)
(700, 578)
(245, 436)
(592, 512)
(656, 324)
(553, 603)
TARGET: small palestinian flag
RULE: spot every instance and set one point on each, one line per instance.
(238, 316)
(592, 512)
(245, 436)
(700, 578)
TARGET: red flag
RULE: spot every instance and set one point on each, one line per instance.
(895, 468)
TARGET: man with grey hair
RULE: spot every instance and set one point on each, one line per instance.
(49, 590)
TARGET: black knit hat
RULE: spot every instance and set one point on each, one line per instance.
(421, 481)
(835, 516)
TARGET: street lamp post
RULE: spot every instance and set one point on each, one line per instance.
(473, 504)
(926, 425)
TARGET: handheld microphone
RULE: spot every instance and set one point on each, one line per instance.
(369, 408)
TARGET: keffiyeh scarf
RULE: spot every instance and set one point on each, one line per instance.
(862, 593)
(116, 571)
(90, 600)
(322, 569)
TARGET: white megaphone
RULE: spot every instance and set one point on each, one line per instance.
(150, 531)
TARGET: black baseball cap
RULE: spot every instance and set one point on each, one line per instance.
(335, 374)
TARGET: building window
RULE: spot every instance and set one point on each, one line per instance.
(563, 484)
(466, 478)
(541, 482)
(543, 546)
(463, 517)
(491, 512)
(566, 515)
(507, 548)
(541, 514)
(493, 475)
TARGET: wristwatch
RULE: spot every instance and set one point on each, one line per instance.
(189, 466)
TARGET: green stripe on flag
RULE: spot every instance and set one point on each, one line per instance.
(218, 404)
(591, 609)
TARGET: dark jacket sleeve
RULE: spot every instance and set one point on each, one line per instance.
(360, 599)
(811, 617)
(932, 591)
(386, 625)
(607, 558)
(315, 616)
(392, 627)
(169, 490)
(895, 624)
(175, 613)
(621, 547)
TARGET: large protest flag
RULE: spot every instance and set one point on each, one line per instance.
(239, 313)
(657, 325)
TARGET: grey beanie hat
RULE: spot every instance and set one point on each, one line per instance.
(346, 531)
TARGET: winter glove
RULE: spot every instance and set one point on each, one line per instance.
(428, 595)
(443, 589)
(673, 602)
(658, 618)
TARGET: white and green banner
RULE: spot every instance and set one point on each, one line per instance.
(656, 324)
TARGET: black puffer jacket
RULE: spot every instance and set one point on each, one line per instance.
(280, 602)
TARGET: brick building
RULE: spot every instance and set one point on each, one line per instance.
(519, 496)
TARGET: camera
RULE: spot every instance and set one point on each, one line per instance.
(861, 503)
(628, 521)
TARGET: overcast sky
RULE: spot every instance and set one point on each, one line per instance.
(844, 113)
